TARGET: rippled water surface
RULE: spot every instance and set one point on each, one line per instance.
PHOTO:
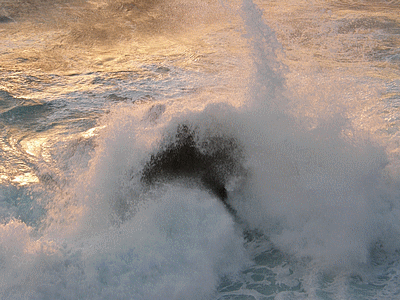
(173, 149)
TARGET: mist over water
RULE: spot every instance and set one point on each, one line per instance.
(199, 150)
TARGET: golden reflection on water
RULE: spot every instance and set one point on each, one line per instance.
(16, 169)
(34, 146)
(20, 180)
(41, 59)
(106, 35)
(25, 179)
(37, 150)
(92, 132)
(328, 56)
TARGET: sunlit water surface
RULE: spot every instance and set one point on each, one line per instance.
(290, 107)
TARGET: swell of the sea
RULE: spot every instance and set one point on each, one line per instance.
(165, 150)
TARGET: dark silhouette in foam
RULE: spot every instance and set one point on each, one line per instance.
(210, 162)
(4, 19)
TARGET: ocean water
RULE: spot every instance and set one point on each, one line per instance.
(176, 149)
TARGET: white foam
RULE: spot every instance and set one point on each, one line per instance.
(317, 193)
(176, 246)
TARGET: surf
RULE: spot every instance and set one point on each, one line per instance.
(186, 161)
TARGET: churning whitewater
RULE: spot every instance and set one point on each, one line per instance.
(175, 149)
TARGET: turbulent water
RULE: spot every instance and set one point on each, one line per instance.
(176, 149)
